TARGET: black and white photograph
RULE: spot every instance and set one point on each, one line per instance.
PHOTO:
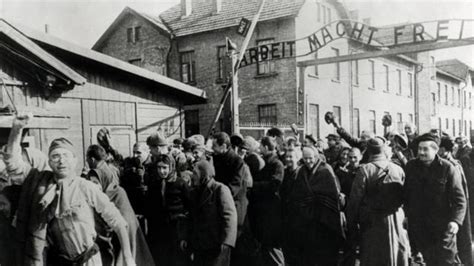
(236, 132)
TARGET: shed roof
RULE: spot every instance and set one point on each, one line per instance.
(192, 94)
(21, 39)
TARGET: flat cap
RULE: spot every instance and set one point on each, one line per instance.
(429, 137)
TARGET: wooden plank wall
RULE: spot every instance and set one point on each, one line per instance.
(106, 100)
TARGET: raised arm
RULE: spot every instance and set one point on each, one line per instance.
(17, 169)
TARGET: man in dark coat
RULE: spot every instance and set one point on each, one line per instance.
(314, 218)
(463, 148)
(213, 219)
(435, 203)
(265, 206)
(410, 132)
(133, 176)
(230, 171)
(464, 235)
(375, 205)
(333, 150)
(292, 157)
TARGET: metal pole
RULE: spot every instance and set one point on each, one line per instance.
(235, 95)
(235, 67)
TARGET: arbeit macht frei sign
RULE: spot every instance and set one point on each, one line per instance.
(376, 37)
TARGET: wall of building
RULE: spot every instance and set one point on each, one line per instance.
(276, 88)
(324, 89)
(151, 49)
(449, 109)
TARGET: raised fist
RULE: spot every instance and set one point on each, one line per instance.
(21, 120)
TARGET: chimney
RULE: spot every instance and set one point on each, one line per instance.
(366, 21)
(186, 8)
(216, 6)
(46, 28)
(354, 14)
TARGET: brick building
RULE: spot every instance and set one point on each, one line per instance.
(189, 40)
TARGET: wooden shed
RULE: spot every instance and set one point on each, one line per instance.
(73, 92)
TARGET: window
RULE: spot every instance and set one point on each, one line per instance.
(316, 68)
(187, 67)
(410, 118)
(136, 62)
(446, 95)
(470, 127)
(355, 72)
(191, 122)
(267, 114)
(459, 97)
(337, 113)
(372, 121)
(410, 84)
(329, 15)
(470, 100)
(439, 92)
(465, 128)
(221, 71)
(130, 35)
(133, 34)
(387, 78)
(313, 116)
(399, 81)
(464, 100)
(267, 66)
(440, 127)
(324, 14)
(337, 67)
(318, 12)
(433, 104)
(454, 127)
(453, 96)
(400, 123)
(460, 127)
(447, 123)
(372, 74)
(356, 122)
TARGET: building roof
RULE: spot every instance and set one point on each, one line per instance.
(25, 42)
(155, 22)
(454, 67)
(192, 94)
(203, 19)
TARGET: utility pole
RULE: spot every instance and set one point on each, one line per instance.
(236, 59)
(235, 94)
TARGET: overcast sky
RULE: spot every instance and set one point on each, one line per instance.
(83, 21)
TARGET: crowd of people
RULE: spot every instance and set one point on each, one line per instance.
(398, 199)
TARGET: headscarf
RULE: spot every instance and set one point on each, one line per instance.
(167, 159)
